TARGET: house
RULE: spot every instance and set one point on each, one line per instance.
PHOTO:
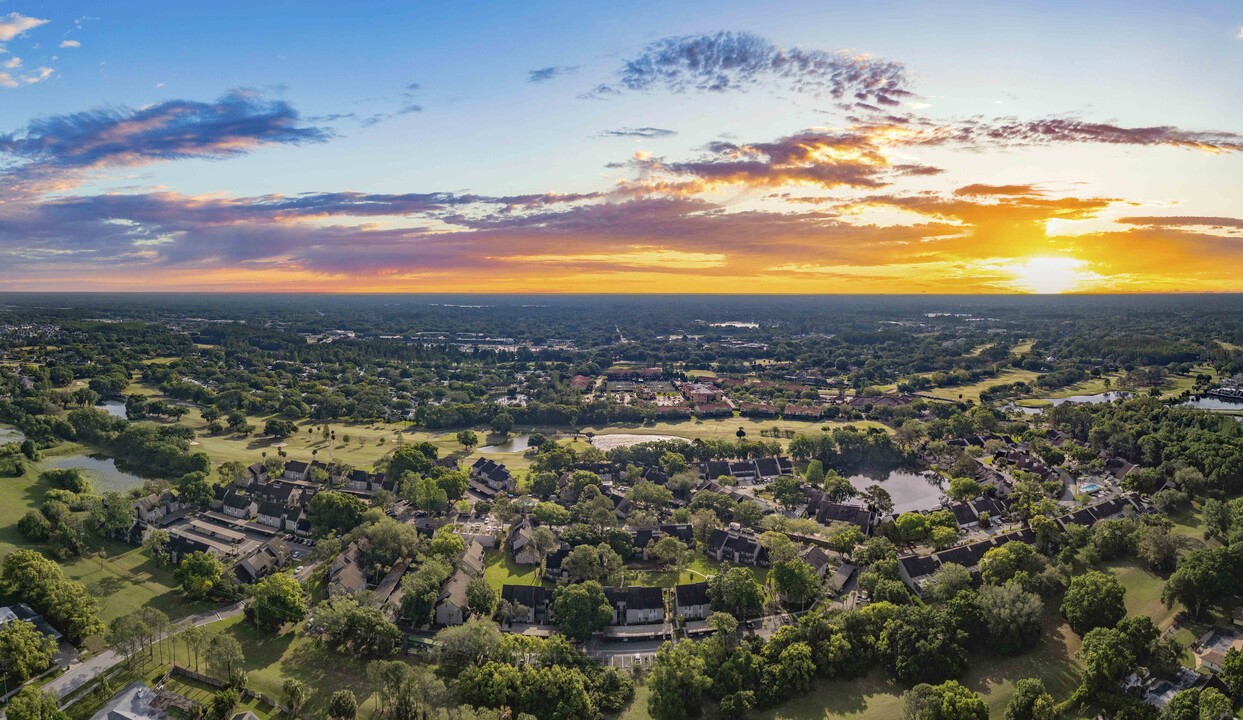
(826, 511)
(452, 606)
(522, 545)
(135, 701)
(348, 573)
(770, 468)
(527, 603)
(554, 564)
(817, 558)
(636, 605)
(492, 474)
(691, 601)
(1211, 648)
(271, 514)
(257, 472)
(239, 506)
(22, 611)
(717, 409)
(698, 393)
(581, 383)
(916, 570)
(736, 547)
(269, 558)
(801, 412)
(296, 470)
(282, 493)
(150, 510)
(841, 577)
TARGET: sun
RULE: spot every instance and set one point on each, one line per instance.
(1050, 275)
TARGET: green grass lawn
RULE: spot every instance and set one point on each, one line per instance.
(270, 659)
(500, 569)
(972, 391)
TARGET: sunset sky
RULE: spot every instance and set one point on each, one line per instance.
(810, 147)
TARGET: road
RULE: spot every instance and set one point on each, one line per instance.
(82, 673)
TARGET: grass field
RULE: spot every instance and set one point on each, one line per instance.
(122, 580)
(972, 390)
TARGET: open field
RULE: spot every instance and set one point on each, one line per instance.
(972, 391)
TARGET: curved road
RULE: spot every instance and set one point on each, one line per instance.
(82, 673)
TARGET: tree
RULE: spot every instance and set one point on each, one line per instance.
(343, 705)
(587, 562)
(1232, 672)
(677, 682)
(470, 644)
(788, 491)
(796, 581)
(34, 704)
(223, 702)
(128, 634)
(964, 489)
(1214, 705)
(667, 551)
(582, 610)
(331, 510)
(481, 597)
(195, 637)
(736, 592)
(1013, 616)
(947, 701)
(912, 527)
(468, 439)
(502, 423)
(1093, 600)
(1031, 701)
(948, 580)
(844, 541)
(24, 650)
(424, 493)
(878, 499)
(198, 573)
(920, 644)
(815, 473)
(225, 658)
(1107, 658)
(279, 600)
(278, 428)
(1202, 576)
(113, 514)
(294, 694)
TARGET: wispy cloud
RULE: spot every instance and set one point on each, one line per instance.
(70, 44)
(639, 132)
(730, 61)
(232, 125)
(548, 73)
(14, 25)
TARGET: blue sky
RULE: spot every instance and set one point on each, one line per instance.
(474, 124)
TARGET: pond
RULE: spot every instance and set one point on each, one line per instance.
(1208, 402)
(1077, 399)
(617, 440)
(115, 408)
(513, 444)
(910, 490)
(10, 434)
(103, 472)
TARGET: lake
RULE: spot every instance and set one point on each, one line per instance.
(115, 408)
(515, 443)
(1210, 402)
(910, 491)
(103, 472)
(1076, 399)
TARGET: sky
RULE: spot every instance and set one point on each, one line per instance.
(715, 147)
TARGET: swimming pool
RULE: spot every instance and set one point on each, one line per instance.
(1091, 488)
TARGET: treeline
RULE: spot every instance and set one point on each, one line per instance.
(147, 449)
